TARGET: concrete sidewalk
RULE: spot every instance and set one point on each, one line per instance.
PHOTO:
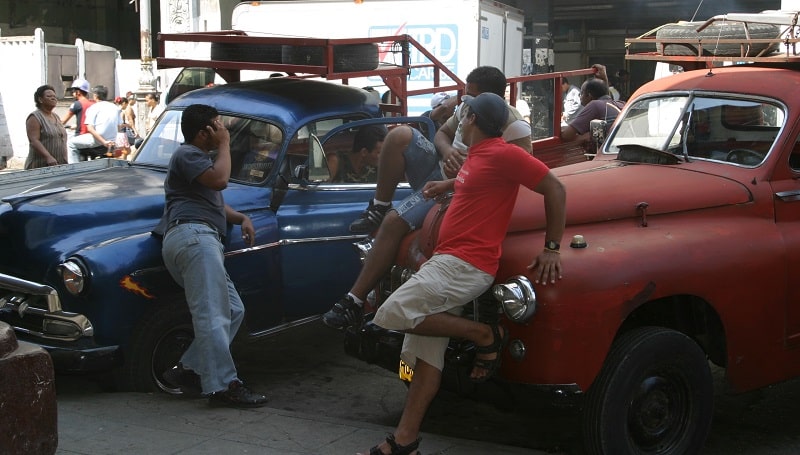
(91, 422)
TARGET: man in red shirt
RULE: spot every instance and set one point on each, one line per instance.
(463, 266)
(80, 88)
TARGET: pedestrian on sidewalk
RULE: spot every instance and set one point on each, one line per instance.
(46, 135)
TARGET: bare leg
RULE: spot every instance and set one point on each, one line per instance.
(423, 389)
(448, 325)
(427, 378)
(381, 256)
(392, 162)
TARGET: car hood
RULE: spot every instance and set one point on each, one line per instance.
(614, 190)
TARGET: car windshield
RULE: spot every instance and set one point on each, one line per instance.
(694, 126)
(254, 145)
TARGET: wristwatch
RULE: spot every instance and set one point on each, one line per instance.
(551, 245)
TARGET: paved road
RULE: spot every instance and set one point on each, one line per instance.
(306, 371)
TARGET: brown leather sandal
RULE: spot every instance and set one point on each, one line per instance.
(397, 449)
(490, 365)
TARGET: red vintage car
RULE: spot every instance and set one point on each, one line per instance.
(681, 247)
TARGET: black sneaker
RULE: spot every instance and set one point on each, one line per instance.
(345, 312)
(370, 219)
(187, 381)
(237, 396)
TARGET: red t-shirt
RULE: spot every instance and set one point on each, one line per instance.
(486, 189)
(85, 103)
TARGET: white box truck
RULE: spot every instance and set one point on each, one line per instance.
(462, 34)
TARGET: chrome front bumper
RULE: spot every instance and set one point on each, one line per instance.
(34, 309)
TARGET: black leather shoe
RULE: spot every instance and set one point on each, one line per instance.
(237, 396)
(187, 381)
(370, 219)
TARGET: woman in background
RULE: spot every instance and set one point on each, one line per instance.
(46, 134)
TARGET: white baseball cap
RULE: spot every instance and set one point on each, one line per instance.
(438, 98)
(81, 84)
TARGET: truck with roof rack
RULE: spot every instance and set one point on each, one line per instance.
(82, 276)
(679, 255)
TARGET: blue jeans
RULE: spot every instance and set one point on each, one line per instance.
(422, 166)
(193, 254)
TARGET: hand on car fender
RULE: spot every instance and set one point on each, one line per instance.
(548, 267)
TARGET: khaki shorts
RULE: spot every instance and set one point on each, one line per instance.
(444, 283)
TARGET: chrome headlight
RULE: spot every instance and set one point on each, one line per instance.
(517, 298)
(74, 276)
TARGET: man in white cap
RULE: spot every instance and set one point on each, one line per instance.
(442, 107)
(428, 306)
(102, 121)
(80, 88)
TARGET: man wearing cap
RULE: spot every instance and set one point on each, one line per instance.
(80, 88)
(102, 121)
(442, 107)
(427, 306)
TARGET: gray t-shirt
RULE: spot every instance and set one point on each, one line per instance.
(186, 198)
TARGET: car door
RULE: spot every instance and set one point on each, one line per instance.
(318, 260)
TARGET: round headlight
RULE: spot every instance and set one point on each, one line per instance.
(73, 276)
(517, 298)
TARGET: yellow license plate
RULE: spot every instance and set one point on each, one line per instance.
(406, 372)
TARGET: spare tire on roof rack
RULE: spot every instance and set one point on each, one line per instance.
(246, 52)
(346, 57)
(728, 30)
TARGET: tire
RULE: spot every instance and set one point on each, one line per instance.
(688, 30)
(156, 344)
(346, 57)
(254, 53)
(654, 395)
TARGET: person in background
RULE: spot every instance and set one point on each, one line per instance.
(154, 109)
(129, 118)
(80, 89)
(442, 107)
(46, 134)
(192, 230)
(623, 80)
(102, 124)
(360, 164)
(572, 100)
(427, 307)
(597, 105)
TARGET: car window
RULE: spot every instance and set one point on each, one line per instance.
(254, 145)
(729, 130)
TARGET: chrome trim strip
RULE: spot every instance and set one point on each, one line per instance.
(284, 242)
(286, 326)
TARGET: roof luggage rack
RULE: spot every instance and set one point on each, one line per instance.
(767, 37)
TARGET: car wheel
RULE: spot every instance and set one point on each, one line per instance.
(346, 57)
(254, 53)
(654, 395)
(735, 30)
(156, 344)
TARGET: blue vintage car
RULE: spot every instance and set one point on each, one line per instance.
(82, 276)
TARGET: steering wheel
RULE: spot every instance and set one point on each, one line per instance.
(744, 156)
